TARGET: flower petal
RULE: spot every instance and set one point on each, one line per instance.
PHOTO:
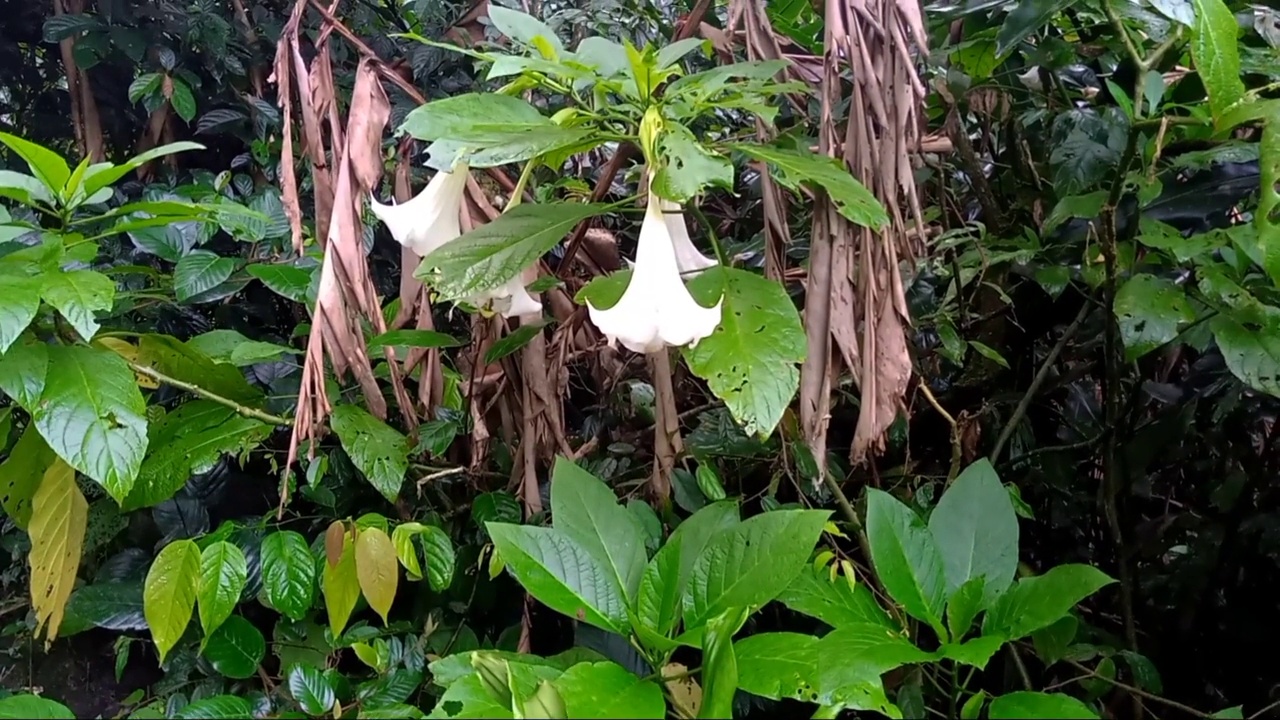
(431, 218)
(688, 259)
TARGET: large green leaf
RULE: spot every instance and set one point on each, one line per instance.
(341, 586)
(778, 665)
(102, 175)
(976, 530)
(236, 648)
(378, 450)
(719, 664)
(587, 512)
(751, 564)
(750, 360)
(836, 602)
(1150, 311)
(667, 574)
(1252, 354)
(47, 165)
(183, 361)
(1216, 52)
(19, 303)
(855, 655)
(1037, 602)
(200, 271)
(93, 416)
(1025, 18)
(32, 707)
(794, 168)
(688, 167)
(223, 574)
(469, 699)
(495, 252)
(288, 573)
(377, 570)
(169, 594)
(524, 29)
(218, 707)
(507, 129)
(311, 689)
(23, 369)
(78, 294)
(561, 574)
(1028, 705)
(287, 280)
(906, 557)
(608, 690)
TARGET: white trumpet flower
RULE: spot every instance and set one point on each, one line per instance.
(688, 259)
(433, 218)
(656, 310)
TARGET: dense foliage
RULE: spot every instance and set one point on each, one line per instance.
(631, 360)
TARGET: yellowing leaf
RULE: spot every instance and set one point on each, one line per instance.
(59, 516)
(686, 694)
(169, 593)
(130, 353)
(377, 570)
(340, 586)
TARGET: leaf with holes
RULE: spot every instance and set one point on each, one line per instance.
(378, 450)
(1251, 350)
(288, 573)
(750, 360)
(77, 295)
(1150, 310)
(200, 271)
(688, 167)
(21, 472)
(223, 574)
(376, 569)
(93, 416)
(169, 594)
(59, 517)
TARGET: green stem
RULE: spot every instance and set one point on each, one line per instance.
(517, 195)
(711, 233)
(208, 395)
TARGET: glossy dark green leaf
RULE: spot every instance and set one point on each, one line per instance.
(311, 689)
(379, 451)
(288, 573)
(236, 648)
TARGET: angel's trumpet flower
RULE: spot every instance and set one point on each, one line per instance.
(688, 259)
(656, 310)
(432, 218)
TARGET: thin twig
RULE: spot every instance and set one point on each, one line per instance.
(957, 449)
(1139, 692)
(243, 410)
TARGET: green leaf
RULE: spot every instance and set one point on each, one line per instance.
(341, 587)
(751, 564)
(1024, 19)
(218, 707)
(32, 707)
(964, 604)
(377, 570)
(311, 689)
(687, 166)
(169, 594)
(778, 665)
(183, 361)
(495, 252)
(19, 303)
(1216, 52)
(413, 338)
(23, 369)
(77, 295)
(183, 102)
(21, 473)
(750, 360)
(512, 341)
(46, 165)
(236, 648)
(200, 271)
(794, 168)
(1150, 310)
(439, 550)
(1037, 602)
(837, 602)
(667, 575)
(1053, 640)
(523, 28)
(976, 530)
(588, 513)
(105, 174)
(719, 664)
(1251, 353)
(976, 652)
(288, 573)
(223, 574)
(906, 557)
(866, 652)
(378, 450)
(561, 574)
(505, 129)
(93, 416)
(606, 690)
(469, 699)
(285, 280)
(1027, 705)
(1074, 206)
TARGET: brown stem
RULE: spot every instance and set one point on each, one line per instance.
(251, 39)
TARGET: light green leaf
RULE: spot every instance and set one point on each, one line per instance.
(505, 128)
(23, 369)
(413, 338)
(376, 570)
(976, 530)
(834, 602)
(47, 165)
(688, 167)
(288, 573)
(750, 360)
(667, 574)
(439, 551)
(561, 574)
(778, 665)
(469, 699)
(1037, 602)
(719, 664)
(218, 707)
(751, 564)
(606, 690)
(341, 587)
(183, 361)
(976, 652)
(1252, 355)
(169, 594)
(378, 450)
(78, 294)
(19, 303)
(794, 168)
(1150, 310)
(200, 271)
(183, 102)
(1028, 705)
(93, 416)
(513, 341)
(864, 652)
(587, 512)
(1052, 641)
(104, 174)
(964, 604)
(523, 28)
(32, 707)
(495, 252)
(236, 648)
(1216, 52)
(223, 574)
(906, 557)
